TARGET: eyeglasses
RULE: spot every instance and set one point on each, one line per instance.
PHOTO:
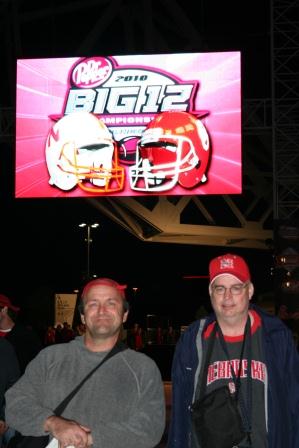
(235, 290)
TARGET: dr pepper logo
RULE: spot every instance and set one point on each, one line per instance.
(91, 72)
(100, 86)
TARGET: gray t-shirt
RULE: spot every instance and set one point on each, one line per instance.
(122, 403)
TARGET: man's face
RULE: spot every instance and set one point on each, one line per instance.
(230, 297)
(103, 312)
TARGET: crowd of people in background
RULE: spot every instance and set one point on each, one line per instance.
(135, 337)
(62, 333)
(138, 337)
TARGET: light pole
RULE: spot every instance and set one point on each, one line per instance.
(88, 242)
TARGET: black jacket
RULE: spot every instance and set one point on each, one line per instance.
(25, 342)
(9, 370)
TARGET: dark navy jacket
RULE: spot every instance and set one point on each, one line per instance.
(282, 362)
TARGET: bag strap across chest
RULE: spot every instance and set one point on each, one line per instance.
(118, 347)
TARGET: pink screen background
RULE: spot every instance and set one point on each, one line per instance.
(42, 85)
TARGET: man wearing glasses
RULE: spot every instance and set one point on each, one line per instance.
(235, 374)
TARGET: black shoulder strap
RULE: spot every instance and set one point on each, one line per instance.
(118, 347)
(201, 385)
(245, 410)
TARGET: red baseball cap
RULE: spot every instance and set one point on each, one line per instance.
(106, 282)
(229, 264)
(4, 301)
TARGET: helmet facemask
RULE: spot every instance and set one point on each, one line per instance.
(159, 164)
(82, 152)
(174, 149)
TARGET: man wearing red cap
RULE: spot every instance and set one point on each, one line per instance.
(120, 405)
(235, 373)
(24, 340)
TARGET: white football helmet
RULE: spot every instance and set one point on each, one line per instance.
(81, 151)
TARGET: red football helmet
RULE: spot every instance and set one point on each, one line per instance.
(173, 149)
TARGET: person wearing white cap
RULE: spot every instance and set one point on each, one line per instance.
(235, 373)
(122, 402)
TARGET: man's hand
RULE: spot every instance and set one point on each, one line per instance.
(68, 432)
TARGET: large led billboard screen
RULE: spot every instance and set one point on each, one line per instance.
(129, 125)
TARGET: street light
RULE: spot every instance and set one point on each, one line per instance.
(88, 241)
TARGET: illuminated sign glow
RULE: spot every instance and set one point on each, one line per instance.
(129, 125)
